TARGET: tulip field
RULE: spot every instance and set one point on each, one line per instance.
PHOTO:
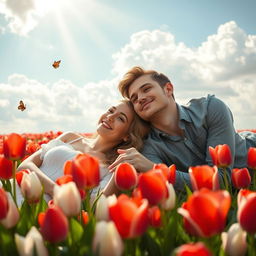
(148, 217)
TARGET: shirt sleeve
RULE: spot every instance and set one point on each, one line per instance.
(152, 153)
(221, 130)
(182, 178)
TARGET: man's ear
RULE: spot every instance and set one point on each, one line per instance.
(168, 89)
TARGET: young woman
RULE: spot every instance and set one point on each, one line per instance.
(118, 128)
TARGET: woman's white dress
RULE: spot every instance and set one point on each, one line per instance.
(54, 154)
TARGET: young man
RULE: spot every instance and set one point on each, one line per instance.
(180, 134)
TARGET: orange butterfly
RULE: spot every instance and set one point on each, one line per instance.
(21, 106)
(56, 64)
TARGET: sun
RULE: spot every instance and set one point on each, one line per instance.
(51, 6)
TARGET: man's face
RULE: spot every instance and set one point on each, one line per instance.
(147, 97)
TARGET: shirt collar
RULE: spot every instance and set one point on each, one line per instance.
(183, 115)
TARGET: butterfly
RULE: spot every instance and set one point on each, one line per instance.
(56, 64)
(22, 106)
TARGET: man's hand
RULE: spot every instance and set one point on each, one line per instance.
(132, 156)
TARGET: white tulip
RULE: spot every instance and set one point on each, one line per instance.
(12, 216)
(102, 212)
(234, 241)
(169, 203)
(106, 240)
(68, 198)
(33, 240)
(31, 187)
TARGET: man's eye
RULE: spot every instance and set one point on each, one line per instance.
(146, 89)
(121, 118)
(134, 100)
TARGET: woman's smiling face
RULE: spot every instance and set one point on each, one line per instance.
(115, 123)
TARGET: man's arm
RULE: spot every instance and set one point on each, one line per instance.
(220, 131)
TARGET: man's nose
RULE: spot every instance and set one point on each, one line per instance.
(141, 99)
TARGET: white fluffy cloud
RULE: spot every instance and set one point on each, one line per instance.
(223, 65)
(21, 15)
(61, 106)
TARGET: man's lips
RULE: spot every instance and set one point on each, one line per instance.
(145, 104)
(106, 125)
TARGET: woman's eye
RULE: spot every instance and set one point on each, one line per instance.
(146, 89)
(121, 118)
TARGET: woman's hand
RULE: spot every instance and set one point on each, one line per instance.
(133, 157)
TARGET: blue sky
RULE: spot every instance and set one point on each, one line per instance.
(98, 41)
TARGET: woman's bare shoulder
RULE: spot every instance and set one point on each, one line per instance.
(69, 136)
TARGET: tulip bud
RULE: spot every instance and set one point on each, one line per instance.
(101, 212)
(204, 176)
(234, 241)
(4, 204)
(154, 216)
(12, 216)
(246, 214)
(14, 146)
(31, 187)
(152, 185)
(129, 216)
(85, 171)
(107, 241)
(5, 168)
(68, 198)
(54, 226)
(193, 249)
(33, 242)
(251, 158)
(241, 178)
(214, 205)
(126, 177)
(169, 202)
(221, 155)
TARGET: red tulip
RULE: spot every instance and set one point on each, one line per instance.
(221, 155)
(85, 217)
(251, 158)
(172, 174)
(14, 146)
(64, 179)
(130, 218)
(54, 226)
(169, 172)
(19, 175)
(5, 168)
(85, 171)
(205, 212)
(4, 204)
(241, 178)
(155, 217)
(204, 176)
(152, 185)
(246, 213)
(196, 249)
(126, 177)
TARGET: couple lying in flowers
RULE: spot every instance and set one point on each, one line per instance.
(145, 128)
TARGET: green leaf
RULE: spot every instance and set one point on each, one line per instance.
(76, 230)
(150, 245)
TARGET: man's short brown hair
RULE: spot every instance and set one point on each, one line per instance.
(137, 72)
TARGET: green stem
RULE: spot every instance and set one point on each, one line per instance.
(251, 245)
(14, 166)
(254, 180)
(226, 183)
